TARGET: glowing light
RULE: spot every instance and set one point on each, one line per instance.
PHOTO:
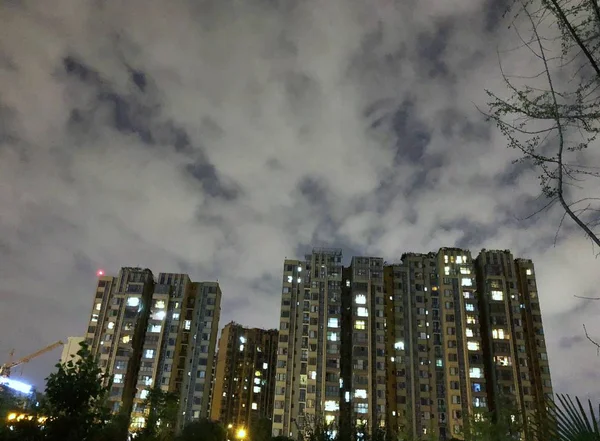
(16, 385)
(100, 273)
(241, 433)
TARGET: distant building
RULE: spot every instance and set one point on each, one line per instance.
(244, 382)
(150, 333)
(70, 349)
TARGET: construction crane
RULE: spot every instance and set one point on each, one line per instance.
(6, 367)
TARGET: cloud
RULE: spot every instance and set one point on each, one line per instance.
(219, 137)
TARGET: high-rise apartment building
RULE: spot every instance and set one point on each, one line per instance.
(517, 371)
(461, 338)
(244, 383)
(155, 333)
(331, 356)
(420, 347)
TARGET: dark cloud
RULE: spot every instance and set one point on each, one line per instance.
(218, 137)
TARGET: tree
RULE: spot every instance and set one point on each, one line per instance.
(261, 430)
(552, 116)
(76, 399)
(569, 420)
(162, 415)
(203, 430)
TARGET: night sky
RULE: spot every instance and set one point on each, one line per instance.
(218, 137)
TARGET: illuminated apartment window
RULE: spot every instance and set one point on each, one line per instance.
(254, 406)
(528, 272)
(445, 258)
(469, 332)
(471, 320)
(497, 295)
(333, 322)
(399, 345)
(470, 307)
(329, 419)
(473, 346)
(313, 375)
(98, 306)
(241, 348)
(498, 334)
(502, 360)
(299, 269)
(290, 279)
(118, 378)
(466, 281)
(360, 299)
(133, 301)
(332, 336)
(242, 339)
(187, 325)
(447, 270)
(331, 406)
(465, 270)
(149, 353)
(360, 393)
(110, 325)
(126, 339)
(475, 372)
(160, 315)
(175, 316)
(155, 328)
(460, 259)
(94, 317)
(160, 304)
(360, 324)
(148, 381)
(256, 389)
(144, 394)
(362, 311)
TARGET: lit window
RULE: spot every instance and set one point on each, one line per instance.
(118, 378)
(256, 389)
(347, 283)
(187, 325)
(360, 324)
(155, 328)
(257, 373)
(470, 307)
(257, 381)
(94, 317)
(299, 269)
(126, 339)
(473, 346)
(331, 406)
(160, 304)
(265, 366)
(299, 280)
(502, 360)
(439, 362)
(241, 348)
(143, 394)
(445, 258)
(465, 270)
(469, 332)
(528, 272)
(361, 299)
(149, 353)
(290, 279)
(471, 320)
(111, 325)
(474, 372)
(467, 281)
(498, 334)
(175, 316)
(254, 406)
(360, 393)
(362, 311)
(329, 419)
(497, 295)
(332, 336)
(399, 345)
(459, 259)
(160, 315)
(133, 301)
(242, 339)
(333, 322)
(447, 270)
(313, 375)
(98, 306)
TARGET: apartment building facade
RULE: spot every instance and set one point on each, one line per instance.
(244, 381)
(331, 353)
(159, 332)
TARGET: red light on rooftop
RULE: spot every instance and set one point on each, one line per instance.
(100, 273)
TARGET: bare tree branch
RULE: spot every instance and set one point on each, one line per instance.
(595, 343)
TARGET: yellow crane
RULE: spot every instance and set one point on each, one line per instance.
(6, 367)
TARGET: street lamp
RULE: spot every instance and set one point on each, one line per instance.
(241, 433)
